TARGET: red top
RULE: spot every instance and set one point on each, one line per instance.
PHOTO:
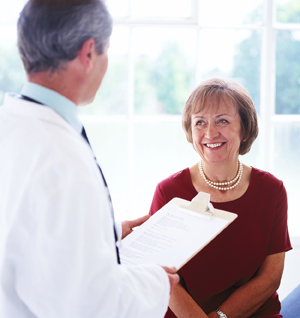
(236, 254)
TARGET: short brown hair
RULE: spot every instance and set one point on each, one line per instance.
(224, 89)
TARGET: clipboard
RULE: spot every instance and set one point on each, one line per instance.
(175, 233)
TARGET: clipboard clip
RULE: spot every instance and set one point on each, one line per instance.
(201, 204)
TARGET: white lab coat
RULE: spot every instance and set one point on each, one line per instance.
(57, 248)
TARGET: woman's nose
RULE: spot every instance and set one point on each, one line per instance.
(211, 131)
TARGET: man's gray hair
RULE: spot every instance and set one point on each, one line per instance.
(51, 32)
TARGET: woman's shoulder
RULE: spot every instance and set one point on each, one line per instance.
(177, 185)
(265, 176)
(179, 178)
(264, 180)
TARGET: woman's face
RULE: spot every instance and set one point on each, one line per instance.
(216, 132)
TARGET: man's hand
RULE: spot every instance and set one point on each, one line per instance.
(127, 226)
(173, 277)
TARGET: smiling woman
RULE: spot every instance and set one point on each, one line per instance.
(220, 121)
(216, 132)
(233, 97)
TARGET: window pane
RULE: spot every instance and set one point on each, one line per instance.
(161, 149)
(111, 99)
(110, 145)
(220, 12)
(163, 69)
(118, 8)
(286, 167)
(9, 10)
(12, 74)
(161, 8)
(288, 11)
(232, 54)
(288, 72)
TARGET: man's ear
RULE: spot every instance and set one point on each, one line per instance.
(87, 53)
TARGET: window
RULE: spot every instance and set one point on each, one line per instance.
(12, 75)
(159, 51)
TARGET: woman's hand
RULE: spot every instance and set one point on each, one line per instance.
(213, 314)
(244, 301)
(183, 305)
(127, 226)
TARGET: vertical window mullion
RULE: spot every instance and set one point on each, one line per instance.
(198, 62)
(130, 119)
(267, 87)
(195, 11)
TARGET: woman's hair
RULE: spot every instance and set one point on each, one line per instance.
(51, 32)
(227, 91)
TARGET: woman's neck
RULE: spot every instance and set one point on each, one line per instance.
(222, 176)
(220, 171)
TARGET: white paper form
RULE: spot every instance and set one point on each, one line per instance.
(170, 238)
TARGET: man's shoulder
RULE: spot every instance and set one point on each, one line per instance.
(41, 131)
(28, 110)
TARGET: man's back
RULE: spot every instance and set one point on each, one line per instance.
(57, 243)
(58, 250)
(44, 166)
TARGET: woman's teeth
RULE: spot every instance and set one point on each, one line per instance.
(214, 145)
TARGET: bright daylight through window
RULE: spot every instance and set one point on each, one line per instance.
(159, 51)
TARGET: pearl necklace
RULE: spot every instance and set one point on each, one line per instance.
(220, 185)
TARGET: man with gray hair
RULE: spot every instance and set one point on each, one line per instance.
(58, 241)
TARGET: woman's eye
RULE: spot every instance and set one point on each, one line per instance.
(223, 121)
(200, 123)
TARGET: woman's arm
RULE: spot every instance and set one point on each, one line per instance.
(249, 297)
(183, 305)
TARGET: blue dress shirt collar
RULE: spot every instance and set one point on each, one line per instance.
(60, 104)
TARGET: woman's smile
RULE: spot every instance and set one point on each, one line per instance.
(215, 145)
(216, 132)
